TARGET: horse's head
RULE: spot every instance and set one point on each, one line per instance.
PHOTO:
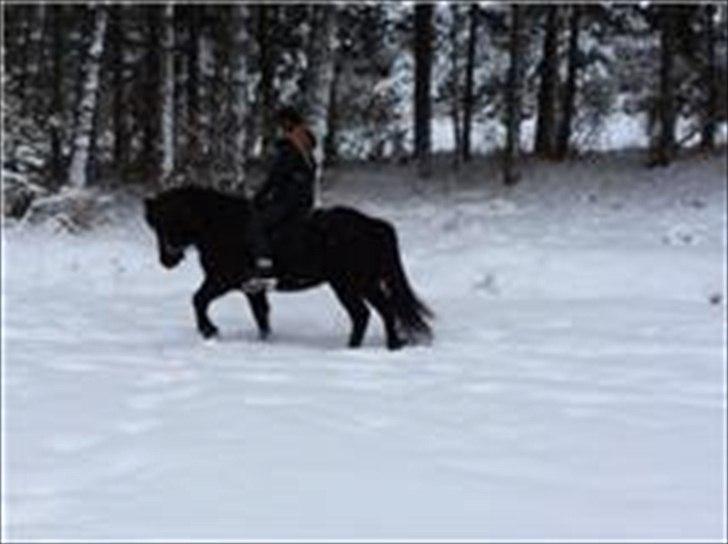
(175, 227)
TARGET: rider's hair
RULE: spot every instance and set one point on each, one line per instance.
(288, 117)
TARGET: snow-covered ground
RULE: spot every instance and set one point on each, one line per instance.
(576, 387)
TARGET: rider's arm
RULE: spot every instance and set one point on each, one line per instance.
(275, 179)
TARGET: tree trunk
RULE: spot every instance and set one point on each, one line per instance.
(193, 77)
(710, 80)
(423, 76)
(455, 98)
(568, 104)
(266, 16)
(666, 114)
(37, 65)
(121, 138)
(240, 108)
(332, 123)
(87, 108)
(513, 100)
(208, 106)
(57, 100)
(168, 94)
(318, 78)
(545, 124)
(469, 82)
(24, 32)
(150, 94)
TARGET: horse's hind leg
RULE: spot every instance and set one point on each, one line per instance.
(261, 309)
(358, 311)
(208, 291)
(384, 308)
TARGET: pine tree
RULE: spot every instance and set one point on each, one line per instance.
(423, 75)
(240, 107)
(513, 100)
(454, 87)
(168, 98)
(192, 48)
(568, 104)
(665, 145)
(266, 20)
(545, 124)
(150, 95)
(709, 80)
(119, 113)
(318, 79)
(468, 99)
(58, 103)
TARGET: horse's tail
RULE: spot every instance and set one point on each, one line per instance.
(410, 312)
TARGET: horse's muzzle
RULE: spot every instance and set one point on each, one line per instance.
(171, 258)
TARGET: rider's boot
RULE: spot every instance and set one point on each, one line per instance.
(263, 277)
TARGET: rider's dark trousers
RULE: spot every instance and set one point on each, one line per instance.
(262, 222)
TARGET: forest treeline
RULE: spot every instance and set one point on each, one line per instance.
(154, 93)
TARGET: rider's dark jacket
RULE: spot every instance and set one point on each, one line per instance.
(288, 192)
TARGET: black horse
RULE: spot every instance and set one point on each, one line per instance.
(356, 255)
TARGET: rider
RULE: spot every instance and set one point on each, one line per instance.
(287, 193)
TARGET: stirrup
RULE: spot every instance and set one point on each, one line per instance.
(264, 264)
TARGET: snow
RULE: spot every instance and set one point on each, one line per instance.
(575, 387)
(618, 131)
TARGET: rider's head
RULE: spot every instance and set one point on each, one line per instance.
(292, 122)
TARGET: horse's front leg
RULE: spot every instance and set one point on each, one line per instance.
(259, 305)
(208, 291)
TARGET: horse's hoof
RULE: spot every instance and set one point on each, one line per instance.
(209, 332)
(264, 334)
(395, 344)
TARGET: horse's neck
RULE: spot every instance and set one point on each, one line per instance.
(214, 226)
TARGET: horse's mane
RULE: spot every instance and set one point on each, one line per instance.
(181, 205)
(194, 192)
(203, 199)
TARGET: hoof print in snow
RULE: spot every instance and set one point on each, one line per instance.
(696, 203)
(680, 235)
(73, 211)
(488, 284)
(501, 206)
(451, 224)
(715, 299)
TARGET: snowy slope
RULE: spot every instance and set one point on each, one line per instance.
(575, 387)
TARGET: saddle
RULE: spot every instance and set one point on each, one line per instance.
(297, 248)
